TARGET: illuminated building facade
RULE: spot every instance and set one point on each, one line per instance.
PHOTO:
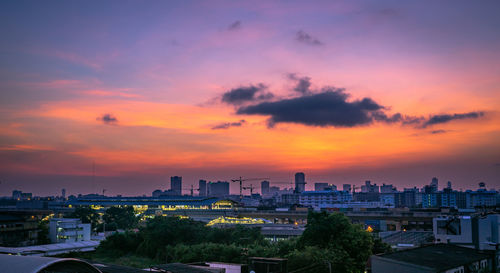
(151, 205)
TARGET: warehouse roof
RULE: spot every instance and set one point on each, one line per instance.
(438, 256)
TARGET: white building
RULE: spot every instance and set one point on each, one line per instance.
(323, 199)
(67, 230)
(480, 232)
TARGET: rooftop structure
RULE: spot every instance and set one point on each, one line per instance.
(431, 259)
(17, 264)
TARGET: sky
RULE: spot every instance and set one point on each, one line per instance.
(122, 95)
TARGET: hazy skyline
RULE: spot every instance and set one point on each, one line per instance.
(389, 91)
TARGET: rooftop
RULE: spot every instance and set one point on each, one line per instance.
(438, 256)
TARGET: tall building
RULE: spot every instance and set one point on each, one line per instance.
(300, 182)
(368, 187)
(320, 186)
(387, 188)
(176, 185)
(346, 187)
(202, 187)
(264, 187)
(219, 188)
(434, 184)
(63, 193)
(449, 185)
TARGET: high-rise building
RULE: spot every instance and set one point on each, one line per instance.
(320, 186)
(300, 182)
(434, 184)
(387, 188)
(219, 188)
(449, 185)
(368, 187)
(202, 187)
(176, 185)
(264, 187)
(63, 193)
(346, 187)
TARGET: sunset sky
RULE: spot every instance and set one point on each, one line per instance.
(390, 91)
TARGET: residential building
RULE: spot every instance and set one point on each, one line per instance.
(320, 186)
(219, 188)
(368, 187)
(176, 185)
(202, 187)
(300, 182)
(67, 230)
(264, 187)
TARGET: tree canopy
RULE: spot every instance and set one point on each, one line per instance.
(329, 241)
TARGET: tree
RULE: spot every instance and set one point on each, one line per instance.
(43, 232)
(379, 247)
(120, 218)
(347, 246)
(86, 214)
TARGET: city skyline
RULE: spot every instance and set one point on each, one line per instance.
(125, 96)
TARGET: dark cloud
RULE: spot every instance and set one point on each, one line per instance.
(303, 83)
(328, 108)
(245, 94)
(438, 119)
(108, 119)
(304, 37)
(234, 26)
(227, 125)
(436, 132)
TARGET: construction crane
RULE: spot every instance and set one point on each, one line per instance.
(241, 183)
(191, 190)
(249, 188)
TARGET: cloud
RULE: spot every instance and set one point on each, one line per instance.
(303, 83)
(304, 37)
(245, 94)
(234, 26)
(436, 132)
(227, 125)
(438, 119)
(328, 108)
(108, 119)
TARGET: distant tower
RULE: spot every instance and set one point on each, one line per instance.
(264, 187)
(202, 187)
(434, 184)
(300, 182)
(176, 185)
(449, 185)
(63, 193)
(346, 187)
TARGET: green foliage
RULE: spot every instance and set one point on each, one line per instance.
(380, 247)
(161, 233)
(348, 246)
(86, 214)
(204, 252)
(120, 218)
(43, 233)
(120, 244)
(329, 240)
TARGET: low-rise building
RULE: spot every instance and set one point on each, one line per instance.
(438, 258)
(67, 230)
